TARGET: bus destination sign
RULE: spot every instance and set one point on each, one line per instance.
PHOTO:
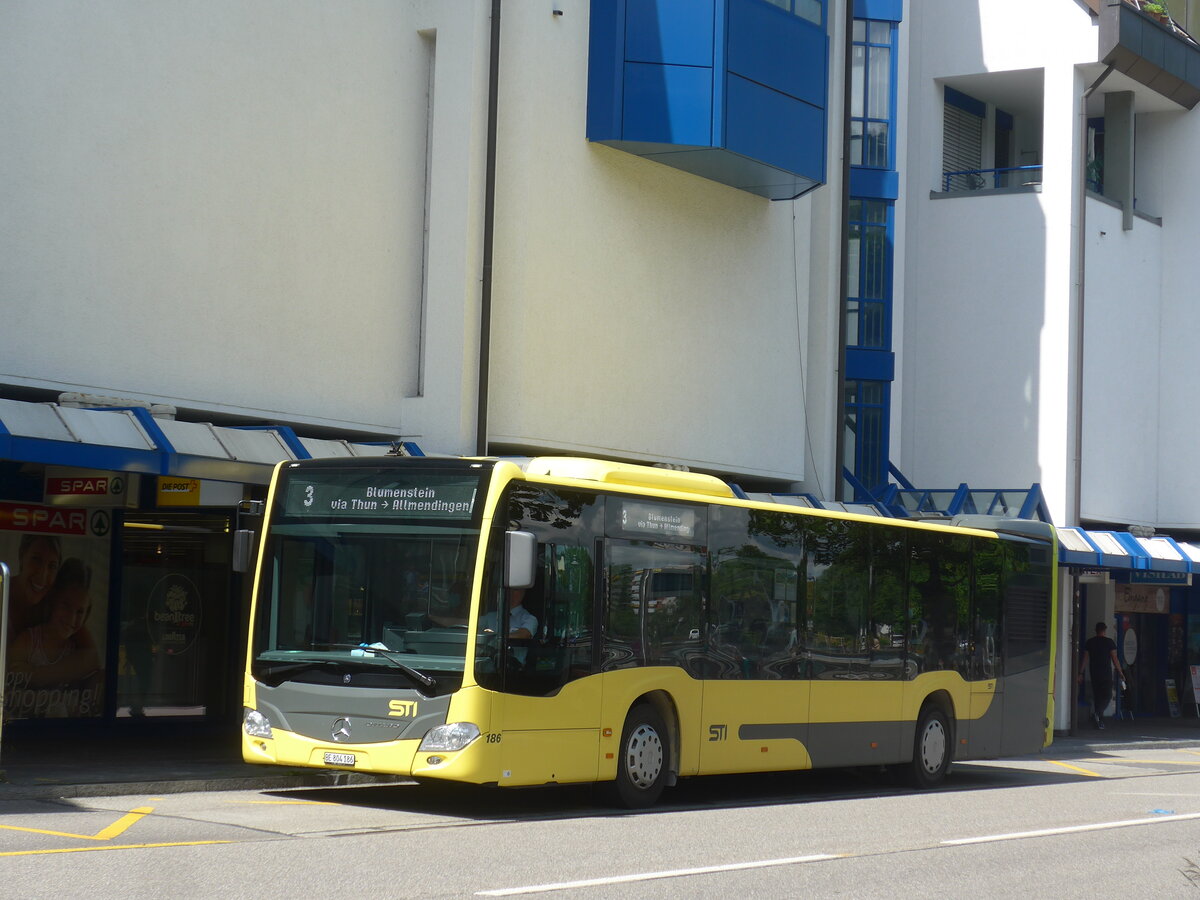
(659, 520)
(381, 494)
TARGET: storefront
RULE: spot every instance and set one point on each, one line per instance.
(1140, 586)
(118, 529)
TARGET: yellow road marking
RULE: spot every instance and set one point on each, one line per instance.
(109, 847)
(1075, 768)
(104, 834)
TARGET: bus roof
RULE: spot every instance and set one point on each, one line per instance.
(628, 474)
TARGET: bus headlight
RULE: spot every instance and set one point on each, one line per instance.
(448, 738)
(256, 724)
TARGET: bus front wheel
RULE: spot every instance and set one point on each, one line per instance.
(644, 759)
(932, 748)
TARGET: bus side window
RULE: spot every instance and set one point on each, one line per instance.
(889, 554)
(939, 584)
(754, 614)
(838, 555)
(985, 638)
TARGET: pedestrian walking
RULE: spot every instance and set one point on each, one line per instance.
(1100, 657)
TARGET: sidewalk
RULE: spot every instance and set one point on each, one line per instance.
(1124, 734)
(113, 766)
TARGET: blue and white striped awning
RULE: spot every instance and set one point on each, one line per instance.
(1125, 551)
(132, 439)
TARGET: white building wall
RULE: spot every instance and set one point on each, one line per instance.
(638, 310)
(220, 205)
(818, 245)
(974, 308)
(1121, 368)
(988, 307)
(1175, 138)
(275, 210)
(961, 37)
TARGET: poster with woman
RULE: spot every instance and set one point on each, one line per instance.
(58, 607)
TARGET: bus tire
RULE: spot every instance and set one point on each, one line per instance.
(932, 748)
(643, 759)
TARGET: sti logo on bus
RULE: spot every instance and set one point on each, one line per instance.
(403, 708)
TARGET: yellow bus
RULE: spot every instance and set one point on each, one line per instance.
(560, 620)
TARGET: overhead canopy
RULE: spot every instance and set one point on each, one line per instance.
(1126, 551)
(130, 439)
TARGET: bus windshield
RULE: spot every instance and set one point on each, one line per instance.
(367, 574)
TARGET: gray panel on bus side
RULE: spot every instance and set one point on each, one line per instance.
(374, 714)
(837, 744)
(1025, 697)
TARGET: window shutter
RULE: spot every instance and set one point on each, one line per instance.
(962, 148)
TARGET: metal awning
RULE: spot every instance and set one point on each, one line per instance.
(130, 439)
(1126, 551)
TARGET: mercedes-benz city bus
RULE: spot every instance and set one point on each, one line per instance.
(562, 620)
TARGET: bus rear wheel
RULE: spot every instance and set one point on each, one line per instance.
(644, 759)
(931, 748)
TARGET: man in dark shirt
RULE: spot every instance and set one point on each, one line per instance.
(1100, 655)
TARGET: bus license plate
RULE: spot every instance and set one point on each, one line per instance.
(339, 759)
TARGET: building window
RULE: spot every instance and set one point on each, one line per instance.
(871, 89)
(868, 288)
(962, 144)
(1095, 155)
(866, 434)
(871, 109)
(812, 10)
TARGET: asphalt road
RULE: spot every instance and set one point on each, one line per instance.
(1125, 823)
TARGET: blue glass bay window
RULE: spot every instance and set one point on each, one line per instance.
(732, 90)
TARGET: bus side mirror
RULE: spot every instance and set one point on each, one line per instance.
(520, 559)
(243, 550)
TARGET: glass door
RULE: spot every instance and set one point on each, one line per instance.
(177, 641)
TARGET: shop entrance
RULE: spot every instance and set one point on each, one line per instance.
(178, 634)
(1141, 641)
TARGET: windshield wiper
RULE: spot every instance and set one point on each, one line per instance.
(390, 655)
(276, 673)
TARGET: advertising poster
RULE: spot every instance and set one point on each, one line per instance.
(58, 607)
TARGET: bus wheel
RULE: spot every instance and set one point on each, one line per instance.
(644, 759)
(931, 748)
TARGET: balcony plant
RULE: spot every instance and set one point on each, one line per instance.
(1157, 11)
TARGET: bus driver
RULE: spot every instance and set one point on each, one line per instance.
(521, 622)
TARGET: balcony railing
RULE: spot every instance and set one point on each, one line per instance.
(984, 179)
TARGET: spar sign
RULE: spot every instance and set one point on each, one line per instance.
(85, 487)
(29, 517)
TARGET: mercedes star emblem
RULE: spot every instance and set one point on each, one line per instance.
(341, 729)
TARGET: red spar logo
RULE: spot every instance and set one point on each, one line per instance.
(42, 519)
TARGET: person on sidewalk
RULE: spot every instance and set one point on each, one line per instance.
(1100, 655)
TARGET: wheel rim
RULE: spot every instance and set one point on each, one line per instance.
(643, 756)
(933, 746)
